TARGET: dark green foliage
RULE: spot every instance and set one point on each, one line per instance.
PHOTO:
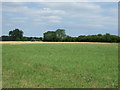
(8, 38)
(41, 38)
(24, 39)
(70, 39)
(5, 38)
(50, 36)
(60, 36)
(99, 38)
(16, 35)
(57, 35)
(33, 39)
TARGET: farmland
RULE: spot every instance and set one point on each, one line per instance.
(63, 65)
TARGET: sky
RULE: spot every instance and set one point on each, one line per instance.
(77, 18)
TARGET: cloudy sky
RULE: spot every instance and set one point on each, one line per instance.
(81, 18)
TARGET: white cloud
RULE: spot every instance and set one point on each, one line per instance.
(90, 13)
(34, 13)
(18, 19)
(45, 11)
(48, 19)
(76, 6)
(14, 9)
(64, 14)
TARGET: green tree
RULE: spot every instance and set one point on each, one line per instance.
(16, 34)
(24, 39)
(99, 35)
(33, 39)
(107, 37)
(60, 34)
(50, 36)
(57, 35)
(67, 39)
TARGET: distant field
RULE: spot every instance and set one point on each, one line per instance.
(63, 65)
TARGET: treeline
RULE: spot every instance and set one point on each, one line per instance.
(93, 38)
(17, 35)
(8, 38)
(60, 36)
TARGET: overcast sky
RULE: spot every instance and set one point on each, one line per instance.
(81, 18)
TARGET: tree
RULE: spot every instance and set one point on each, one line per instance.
(99, 35)
(41, 38)
(67, 39)
(60, 34)
(33, 39)
(81, 38)
(16, 34)
(24, 39)
(57, 35)
(107, 37)
(5, 38)
(50, 36)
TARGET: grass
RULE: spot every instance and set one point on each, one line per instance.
(60, 66)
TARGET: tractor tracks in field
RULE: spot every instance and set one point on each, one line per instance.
(75, 79)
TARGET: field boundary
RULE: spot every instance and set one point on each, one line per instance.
(40, 42)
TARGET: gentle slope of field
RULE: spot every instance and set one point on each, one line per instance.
(60, 65)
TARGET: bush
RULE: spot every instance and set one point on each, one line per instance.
(33, 39)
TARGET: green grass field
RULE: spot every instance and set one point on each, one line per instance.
(60, 66)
